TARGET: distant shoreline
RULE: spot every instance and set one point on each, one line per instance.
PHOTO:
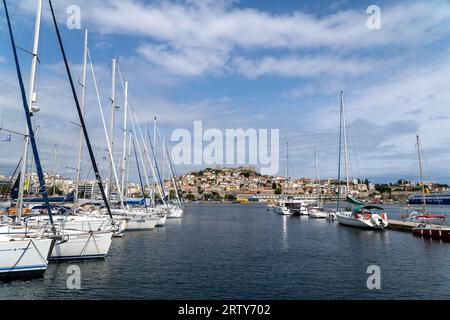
(265, 203)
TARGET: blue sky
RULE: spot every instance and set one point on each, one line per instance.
(251, 64)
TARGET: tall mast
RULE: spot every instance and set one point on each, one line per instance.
(172, 175)
(31, 100)
(139, 151)
(80, 114)
(157, 176)
(111, 125)
(287, 164)
(339, 156)
(318, 175)
(424, 203)
(133, 115)
(42, 189)
(170, 166)
(344, 130)
(164, 161)
(153, 148)
(83, 110)
(154, 154)
(140, 176)
(110, 152)
(128, 165)
(124, 145)
(54, 168)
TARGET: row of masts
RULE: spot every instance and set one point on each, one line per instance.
(128, 135)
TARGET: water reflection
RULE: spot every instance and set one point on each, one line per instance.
(284, 233)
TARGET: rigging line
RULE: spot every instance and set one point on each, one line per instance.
(104, 128)
(20, 258)
(139, 172)
(80, 114)
(152, 149)
(43, 189)
(13, 132)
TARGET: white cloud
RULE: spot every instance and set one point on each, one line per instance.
(303, 67)
(191, 38)
(186, 62)
(195, 38)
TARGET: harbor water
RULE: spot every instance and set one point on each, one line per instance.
(238, 251)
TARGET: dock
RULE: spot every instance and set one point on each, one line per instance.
(406, 225)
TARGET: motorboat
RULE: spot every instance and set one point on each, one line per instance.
(363, 217)
(318, 213)
(281, 209)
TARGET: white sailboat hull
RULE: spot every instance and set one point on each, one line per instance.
(348, 219)
(23, 257)
(82, 245)
(141, 222)
(162, 221)
(82, 223)
(175, 213)
(138, 219)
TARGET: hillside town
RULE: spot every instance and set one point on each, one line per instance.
(239, 184)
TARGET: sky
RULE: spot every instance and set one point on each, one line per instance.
(245, 64)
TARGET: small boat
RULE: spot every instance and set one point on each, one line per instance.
(422, 215)
(363, 217)
(281, 209)
(296, 207)
(23, 257)
(425, 218)
(317, 213)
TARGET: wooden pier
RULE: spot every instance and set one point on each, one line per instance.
(405, 225)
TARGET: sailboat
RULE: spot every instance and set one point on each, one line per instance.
(23, 257)
(26, 256)
(427, 227)
(78, 244)
(317, 211)
(174, 211)
(281, 207)
(422, 215)
(361, 216)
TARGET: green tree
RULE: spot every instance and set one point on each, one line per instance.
(383, 188)
(190, 197)
(230, 197)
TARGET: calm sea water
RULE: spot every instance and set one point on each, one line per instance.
(246, 252)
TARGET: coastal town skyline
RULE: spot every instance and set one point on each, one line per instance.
(240, 183)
